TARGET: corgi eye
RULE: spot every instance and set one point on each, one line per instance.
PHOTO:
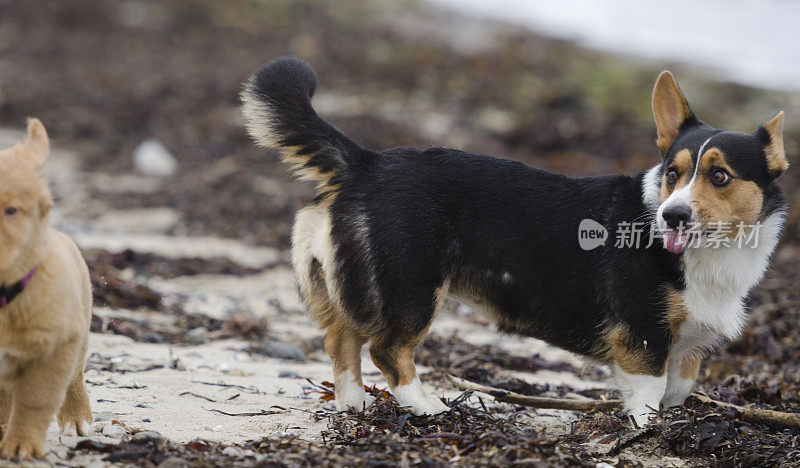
(720, 178)
(672, 176)
(10, 211)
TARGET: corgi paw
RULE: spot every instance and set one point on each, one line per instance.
(641, 417)
(354, 401)
(419, 402)
(432, 405)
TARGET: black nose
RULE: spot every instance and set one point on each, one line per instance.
(677, 215)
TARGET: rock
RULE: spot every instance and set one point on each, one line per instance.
(153, 159)
(232, 452)
(197, 335)
(287, 374)
(283, 351)
(114, 431)
(146, 436)
(174, 462)
(130, 383)
(153, 337)
(105, 416)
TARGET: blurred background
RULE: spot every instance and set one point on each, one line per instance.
(144, 95)
(106, 76)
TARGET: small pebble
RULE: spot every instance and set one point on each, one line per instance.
(174, 462)
(130, 383)
(153, 159)
(146, 436)
(105, 416)
(224, 367)
(283, 351)
(114, 431)
(217, 428)
(197, 335)
(153, 337)
(287, 374)
(231, 452)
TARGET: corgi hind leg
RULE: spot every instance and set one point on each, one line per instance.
(343, 344)
(343, 341)
(392, 351)
(394, 356)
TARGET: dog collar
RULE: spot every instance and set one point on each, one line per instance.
(8, 293)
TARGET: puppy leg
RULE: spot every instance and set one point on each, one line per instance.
(343, 345)
(681, 374)
(393, 354)
(75, 416)
(641, 393)
(36, 396)
(5, 409)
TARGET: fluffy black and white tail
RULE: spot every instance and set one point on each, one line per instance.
(277, 107)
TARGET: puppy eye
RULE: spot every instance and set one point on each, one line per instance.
(10, 211)
(720, 178)
(672, 176)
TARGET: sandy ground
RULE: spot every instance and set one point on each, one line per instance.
(183, 391)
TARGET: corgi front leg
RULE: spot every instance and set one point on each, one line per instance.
(681, 374)
(641, 393)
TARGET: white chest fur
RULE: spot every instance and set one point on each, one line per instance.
(717, 282)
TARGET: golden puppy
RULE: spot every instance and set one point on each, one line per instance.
(45, 308)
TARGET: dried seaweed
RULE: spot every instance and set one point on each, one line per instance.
(155, 265)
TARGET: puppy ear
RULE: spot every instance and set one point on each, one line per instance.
(772, 136)
(45, 201)
(38, 144)
(670, 110)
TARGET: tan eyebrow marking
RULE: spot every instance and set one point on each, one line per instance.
(683, 163)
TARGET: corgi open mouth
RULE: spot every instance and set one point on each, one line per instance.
(675, 240)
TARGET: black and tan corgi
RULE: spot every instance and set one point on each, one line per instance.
(391, 234)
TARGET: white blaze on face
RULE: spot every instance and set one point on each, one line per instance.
(674, 240)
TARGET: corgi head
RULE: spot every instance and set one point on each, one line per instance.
(24, 198)
(711, 179)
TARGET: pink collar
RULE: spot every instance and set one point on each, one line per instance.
(8, 293)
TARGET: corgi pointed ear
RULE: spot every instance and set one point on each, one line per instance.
(773, 145)
(38, 144)
(670, 110)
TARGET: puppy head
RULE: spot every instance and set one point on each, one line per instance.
(711, 179)
(24, 198)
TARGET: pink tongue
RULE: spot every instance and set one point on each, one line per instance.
(674, 241)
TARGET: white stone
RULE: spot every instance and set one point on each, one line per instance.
(153, 159)
(114, 431)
